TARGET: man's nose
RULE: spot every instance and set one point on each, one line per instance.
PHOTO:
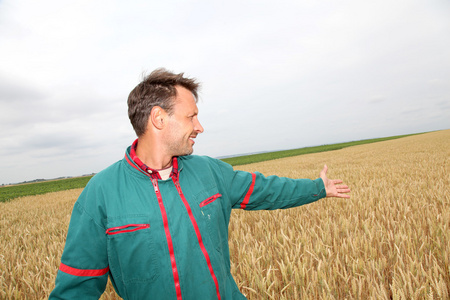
(198, 127)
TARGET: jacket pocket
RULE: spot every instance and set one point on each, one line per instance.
(213, 214)
(210, 200)
(132, 252)
(126, 228)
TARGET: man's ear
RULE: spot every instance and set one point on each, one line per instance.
(158, 117)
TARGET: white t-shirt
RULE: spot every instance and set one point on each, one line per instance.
(165, 173)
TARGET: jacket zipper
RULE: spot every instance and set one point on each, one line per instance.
(176, 277)
(155, 185)
(199, 236)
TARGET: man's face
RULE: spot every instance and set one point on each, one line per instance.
(183, 125)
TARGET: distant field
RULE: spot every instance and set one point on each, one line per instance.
(10, 192)
(254, 158)
(391, 240)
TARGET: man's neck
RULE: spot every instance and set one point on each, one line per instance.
(150, 155)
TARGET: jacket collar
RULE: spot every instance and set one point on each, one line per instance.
(133, 160)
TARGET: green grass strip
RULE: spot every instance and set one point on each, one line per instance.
(10, 192)
(253, 158)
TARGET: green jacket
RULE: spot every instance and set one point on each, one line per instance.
(165, 239)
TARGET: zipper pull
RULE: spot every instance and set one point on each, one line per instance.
(155, 185)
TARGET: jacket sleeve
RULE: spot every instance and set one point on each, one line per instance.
(83, 272)
(254, 191)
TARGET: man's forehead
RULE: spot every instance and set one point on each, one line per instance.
(184, 92)
(185, 99)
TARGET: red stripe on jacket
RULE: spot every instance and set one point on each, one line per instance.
(199, 236)
(249, 192)
(123, 229)
(82, 272)
(176, 277)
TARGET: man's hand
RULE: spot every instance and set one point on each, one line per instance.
(331, 188)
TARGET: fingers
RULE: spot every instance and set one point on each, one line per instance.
(342, 186)
(343, 196)
(343, 189)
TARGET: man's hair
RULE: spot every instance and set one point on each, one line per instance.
(157, 89)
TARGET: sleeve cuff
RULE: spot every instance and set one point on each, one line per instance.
(322, 193)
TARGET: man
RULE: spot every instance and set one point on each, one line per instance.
(157, 221)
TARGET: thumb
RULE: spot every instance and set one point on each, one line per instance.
(324, 171)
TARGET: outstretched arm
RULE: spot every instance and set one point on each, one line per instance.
(331, 187)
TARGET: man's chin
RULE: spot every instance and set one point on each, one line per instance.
(187, 152)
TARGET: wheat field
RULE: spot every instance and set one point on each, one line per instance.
(391, 240)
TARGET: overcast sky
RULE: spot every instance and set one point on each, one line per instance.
(275, 74)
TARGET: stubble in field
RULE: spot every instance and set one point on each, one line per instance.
(391, 240)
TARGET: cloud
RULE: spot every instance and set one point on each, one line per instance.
(15, 91)
(377, 99)
(275, 74)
